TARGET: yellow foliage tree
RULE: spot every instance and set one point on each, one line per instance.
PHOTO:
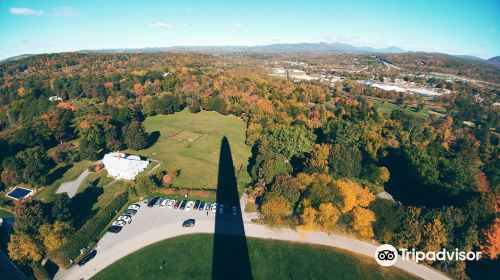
(54, 236)
(362, 220)
(433, 236)
(328, 215)
(384, 174)
(319, 157)
(308, 218)
(275, 209)
(23, 248)
(353, 195)
(305, 180)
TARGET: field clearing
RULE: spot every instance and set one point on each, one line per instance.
(190, 257)
(190, 143)
(386, 108)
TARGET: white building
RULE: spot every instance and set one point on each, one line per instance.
(125, 167)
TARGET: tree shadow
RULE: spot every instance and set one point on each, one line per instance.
(153, 137)
(230, 252)
(81, 205)
(58, 173)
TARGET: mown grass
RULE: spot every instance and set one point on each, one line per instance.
(190, 257)
(198, 161)
(71, 172)
(387, 107)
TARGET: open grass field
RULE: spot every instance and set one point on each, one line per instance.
(191, 143)
(60, 174)
(190, 257)
(387, 107)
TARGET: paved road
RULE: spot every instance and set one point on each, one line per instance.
(151, 225)
(71, 187)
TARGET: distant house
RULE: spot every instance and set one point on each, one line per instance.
(125, 167)
(55, 98)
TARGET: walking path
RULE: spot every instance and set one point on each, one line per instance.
(71, 187)
(151, 225)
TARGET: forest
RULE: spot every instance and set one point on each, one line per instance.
(322, 156)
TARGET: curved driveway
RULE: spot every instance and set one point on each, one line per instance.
(151, 225)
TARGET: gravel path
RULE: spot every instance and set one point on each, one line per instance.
(71, 187)
(151, 225)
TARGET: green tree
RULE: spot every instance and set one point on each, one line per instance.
(345, 161)
(288, 187)
(61, 207)
(269, 165)
(136, 137)
(29, 217)
(290, 140)
(36, 165)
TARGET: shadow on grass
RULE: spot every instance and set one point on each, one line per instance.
(153, 137)
(230, 251)
(81, 205)
(58, 173)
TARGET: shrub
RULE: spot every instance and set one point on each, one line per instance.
(89, 232)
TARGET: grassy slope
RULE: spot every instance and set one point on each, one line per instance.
(71, 174)
(198, 162)
(387, 108)
(190, 257)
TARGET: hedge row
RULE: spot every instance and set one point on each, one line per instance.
(89, 232)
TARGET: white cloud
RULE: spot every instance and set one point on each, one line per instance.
(64, 11)
(237, 25)
(25, 12)
(162, 25)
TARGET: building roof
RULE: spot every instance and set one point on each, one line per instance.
(124, 166)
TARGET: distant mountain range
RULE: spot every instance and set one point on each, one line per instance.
(279, 48)
(273, 48)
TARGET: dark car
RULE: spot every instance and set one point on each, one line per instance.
(202, 206)
(87, 258)
(177, 204)
(188, 223)
(130, 212)
(115, 229)
(183, 204)
(153, 201)
(196, 204)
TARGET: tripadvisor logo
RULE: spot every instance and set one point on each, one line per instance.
(387, 255)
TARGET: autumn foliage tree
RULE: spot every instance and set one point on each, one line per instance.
(275, 209)
(362, 220)
(353, 195)
(328, 215)
(491, 240)
(22, 248)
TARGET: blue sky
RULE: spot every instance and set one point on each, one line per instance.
(456, 27)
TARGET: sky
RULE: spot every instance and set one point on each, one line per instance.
(454, 26)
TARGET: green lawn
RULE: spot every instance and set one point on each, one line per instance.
(190, 257)
(387, 107)
(191, 143)
(60, 174)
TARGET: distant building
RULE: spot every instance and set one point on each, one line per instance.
(55, 98)
(125, 167)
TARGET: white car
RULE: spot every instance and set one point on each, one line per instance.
(134, 206)
(189, 205)
(163, 204)
(125, 218)
(235, 211)
(214, 207)
(119, 223)
(221, 208)
(171, 203)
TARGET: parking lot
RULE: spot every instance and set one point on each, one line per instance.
(148, 225)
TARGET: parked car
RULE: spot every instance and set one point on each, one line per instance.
(202, 206)
(196, 204)
(221, 208)
(146, 201)
(153, 201)
(188, 223)
(134, 206)
(115, 229)
(157, 203)
(189, 205)
(235, 210)
(87, 258)
(130, 212)
(208, 206)
(125, 218)
(163, 204)
(183, 205)
(177, 204)
(214, 207)
(119, 223)
(171, 203)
